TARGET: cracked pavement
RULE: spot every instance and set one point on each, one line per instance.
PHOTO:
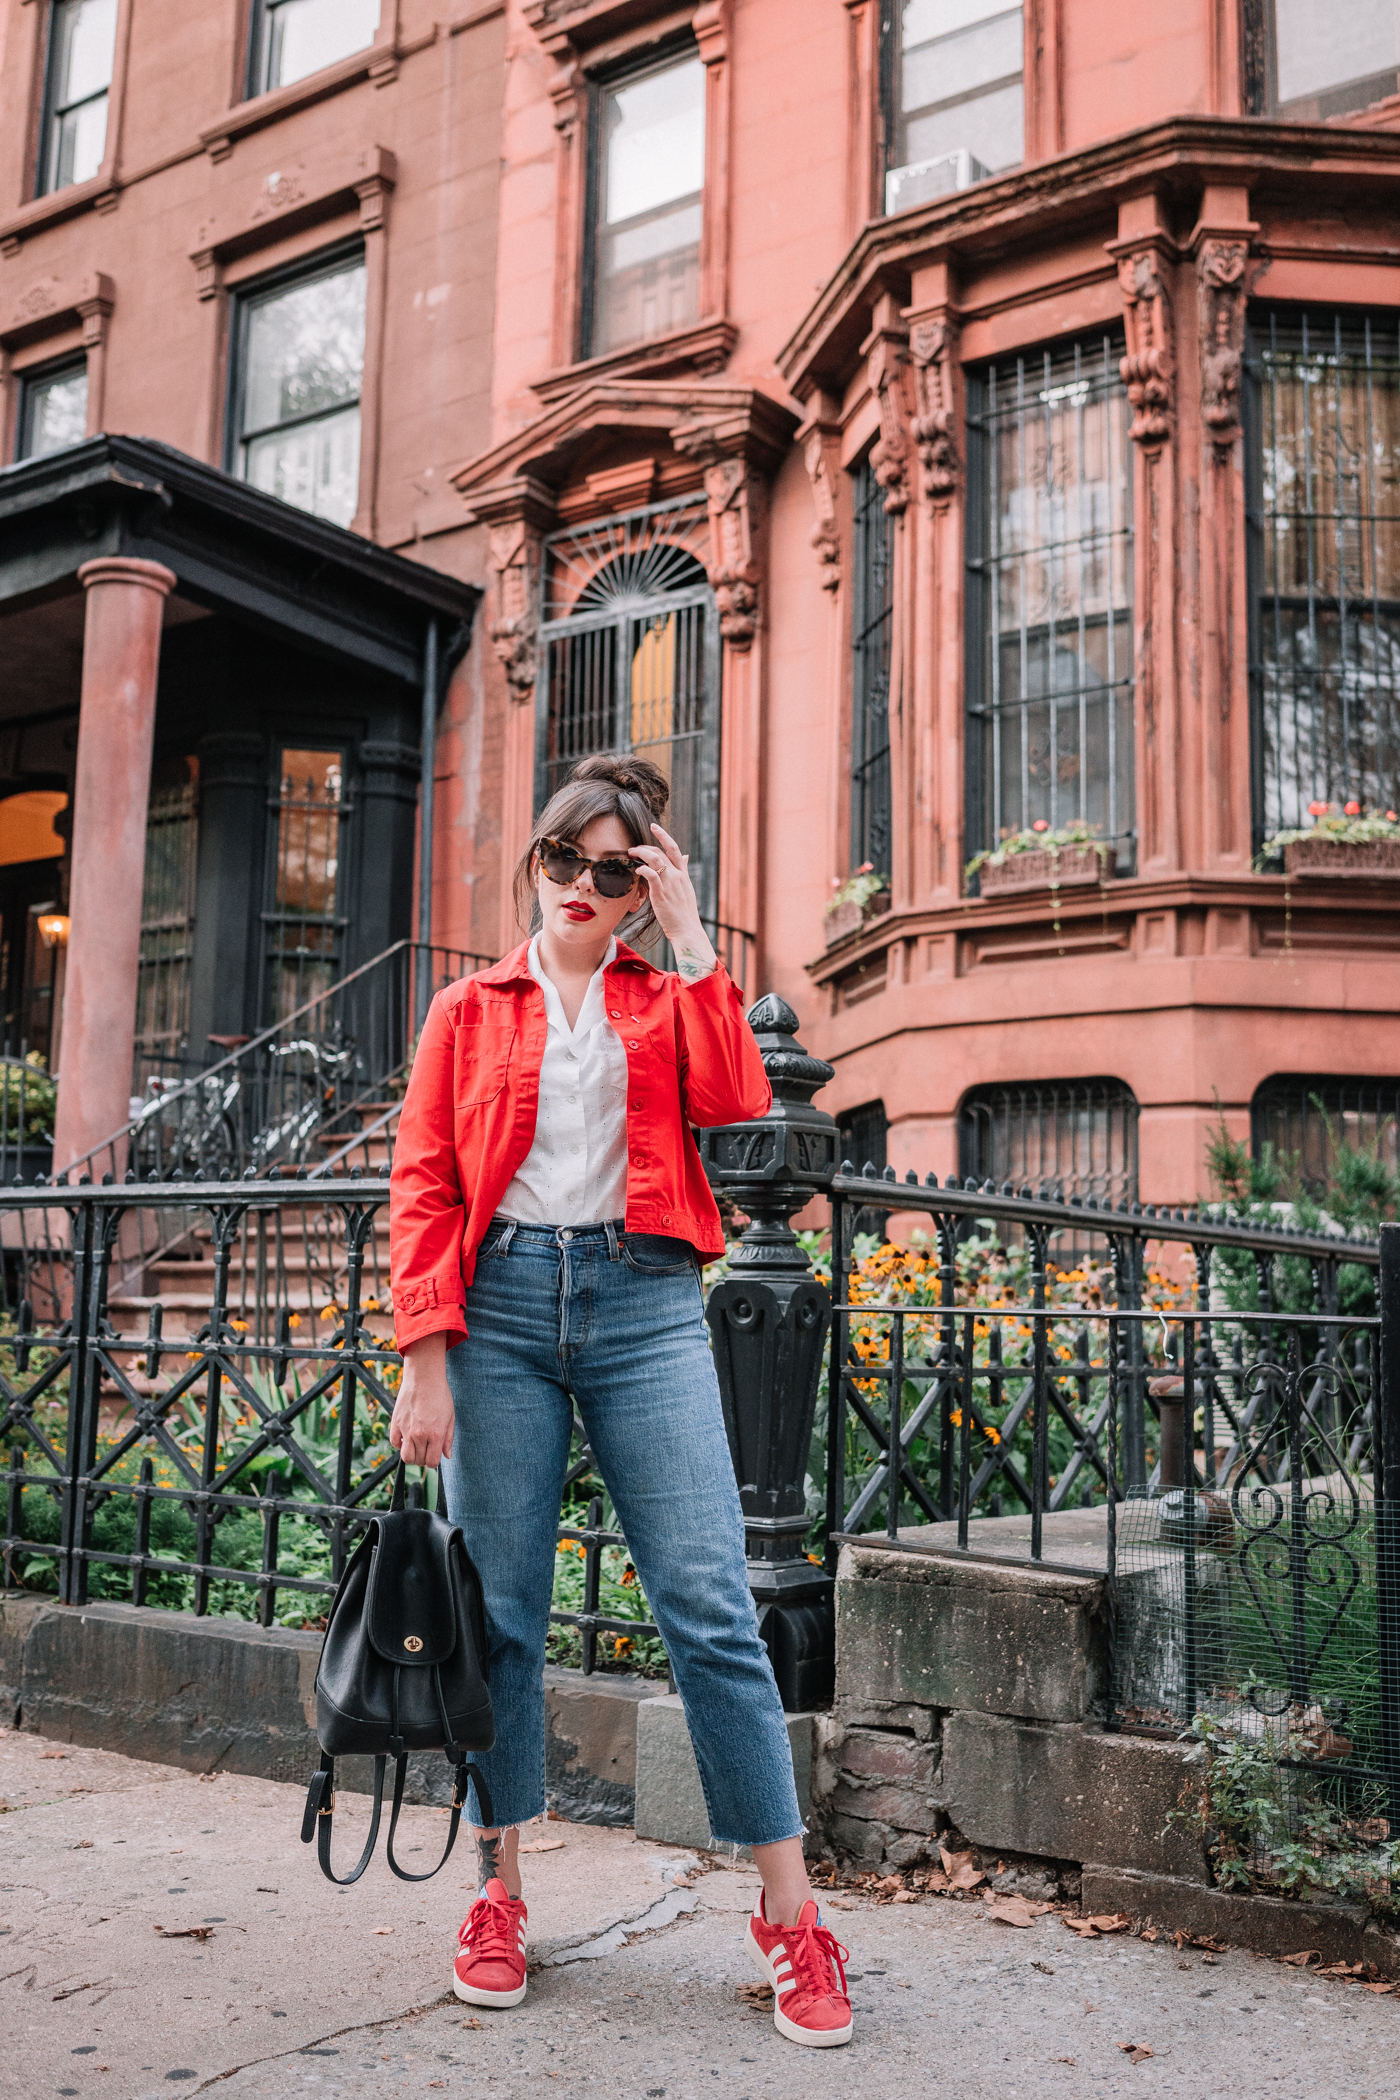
(300, 1988)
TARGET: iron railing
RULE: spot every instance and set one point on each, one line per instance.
(216, 1441)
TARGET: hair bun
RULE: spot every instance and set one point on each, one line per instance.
(635, 776)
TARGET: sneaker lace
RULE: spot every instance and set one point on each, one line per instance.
(815, 1953)
(490, 1929)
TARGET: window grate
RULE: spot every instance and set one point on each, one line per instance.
(1307, 1119)
(872, 624)
(1324, 513)
(1050, 610)
(167, 930)
(631, 663)
(1076, 1137)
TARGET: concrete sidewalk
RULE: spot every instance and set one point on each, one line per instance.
(303, 1989)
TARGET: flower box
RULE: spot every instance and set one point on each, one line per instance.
(1324, 856)
(842, 920)
(1040, 869)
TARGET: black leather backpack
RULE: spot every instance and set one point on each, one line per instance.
(403, 1667)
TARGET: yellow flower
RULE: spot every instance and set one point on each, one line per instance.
(294, 1319)
(239, 1326)
(956, 1418)
(331, 1312)
(993, 1435)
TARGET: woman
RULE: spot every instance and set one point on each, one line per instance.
(549, 1213)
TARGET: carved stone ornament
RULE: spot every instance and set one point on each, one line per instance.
(732, 492)
(1148, 368)
(515, 558)
(934, 345)
(1220, 284)
(826, 535)
(889, 458)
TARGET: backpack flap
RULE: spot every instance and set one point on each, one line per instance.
(410, 1617)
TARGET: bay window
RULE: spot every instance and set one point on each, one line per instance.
(1049, 609)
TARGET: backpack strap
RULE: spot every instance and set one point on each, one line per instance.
(320, 1810)
(459, 1802)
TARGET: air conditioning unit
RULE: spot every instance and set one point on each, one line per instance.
(923, 180)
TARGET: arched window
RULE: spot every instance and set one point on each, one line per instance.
(631, 663)
(1078, 1136)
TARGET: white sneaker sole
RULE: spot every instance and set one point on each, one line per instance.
(471, 1995)
(805, 2037)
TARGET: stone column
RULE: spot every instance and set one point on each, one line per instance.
(121, 661)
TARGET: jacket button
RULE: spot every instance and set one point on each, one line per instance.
(665, 1217)
(615, 1013)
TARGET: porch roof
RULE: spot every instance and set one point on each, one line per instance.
(232, 548)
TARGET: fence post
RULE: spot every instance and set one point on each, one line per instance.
(1386, 1477)
(769, 1320)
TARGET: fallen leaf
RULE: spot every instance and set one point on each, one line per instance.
(1110, 1921)
(755, 1993)
(1012, 1910)
(436, 2081)
(1300, 1961)
(383, 1931)
(261, 1891)
(1136, 2052)
(906, 1896)
(543, 1845)
(1149, 1932)
(1381, 1989)
(190, 1932)
(51, 1753)
(83, 1845)
(207, 1778)
(471, 2023)
(1083, 1926)
(1064, 2059)
(960, 1870)
(839, 1903)
(1045, 1970)
(1208, 1961)
(1088, 2007)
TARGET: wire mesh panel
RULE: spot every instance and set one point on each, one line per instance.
(1049, 617)
(1310, 1119)
(631, 663)
(167, 931)
(872, 621)
(1324, 401)
(1077, 1137)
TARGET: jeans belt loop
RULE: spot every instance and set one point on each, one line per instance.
(503, 1244)
(612, 1239)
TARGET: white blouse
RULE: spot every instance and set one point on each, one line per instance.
(576, 1170)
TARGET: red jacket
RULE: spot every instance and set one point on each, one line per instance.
(468, 1118)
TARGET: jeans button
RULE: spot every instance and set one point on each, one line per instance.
(567, 1234)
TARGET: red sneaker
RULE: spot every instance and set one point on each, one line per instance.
(806, 1966)
(490, 1964)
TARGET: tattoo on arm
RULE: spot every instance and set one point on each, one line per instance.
(488, 1853)
(692, 965)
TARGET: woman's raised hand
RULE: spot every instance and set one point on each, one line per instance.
(671, 893)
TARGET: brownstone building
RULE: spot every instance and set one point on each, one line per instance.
(920, 423)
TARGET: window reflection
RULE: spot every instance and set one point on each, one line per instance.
(305, 924)
(296, 37)
(82, 40)
(303, 359)
(959, 111)
(1327, 59)
(53, 410)
(650, 177)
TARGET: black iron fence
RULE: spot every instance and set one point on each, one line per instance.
(214, 1436)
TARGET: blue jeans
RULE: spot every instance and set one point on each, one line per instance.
(614, 1325)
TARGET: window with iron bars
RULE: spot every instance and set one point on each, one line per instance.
(1049, 597)
(1305, 1120)
(1323, 404)
(1078, 1137)
(872, 618)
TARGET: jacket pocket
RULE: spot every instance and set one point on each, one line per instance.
(485, 1043)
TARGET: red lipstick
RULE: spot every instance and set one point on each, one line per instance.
(577, 910)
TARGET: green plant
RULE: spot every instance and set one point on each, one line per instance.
(856, 889)
(1039, 838)
(29, 1098)
(1268, 1823)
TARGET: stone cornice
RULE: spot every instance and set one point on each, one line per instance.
(1031, 202)
(739, 421)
